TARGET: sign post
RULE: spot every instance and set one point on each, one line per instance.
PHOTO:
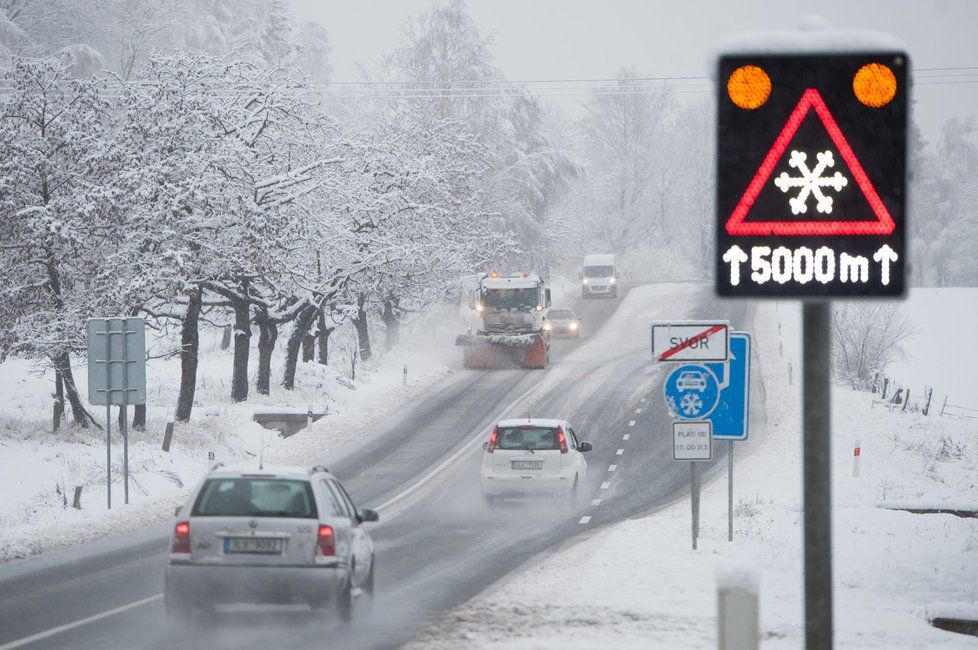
(116, 376)
(811, 203)
(731, 419)
(692, 441)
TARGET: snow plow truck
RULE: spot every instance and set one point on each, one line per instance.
(511, 308)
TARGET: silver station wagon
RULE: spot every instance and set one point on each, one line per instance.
(282, 535)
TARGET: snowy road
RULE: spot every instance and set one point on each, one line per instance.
(437, 545)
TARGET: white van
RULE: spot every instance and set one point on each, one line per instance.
(599, 277)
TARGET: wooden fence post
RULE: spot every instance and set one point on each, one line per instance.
(930, 394)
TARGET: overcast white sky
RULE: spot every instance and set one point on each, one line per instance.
(558, 39)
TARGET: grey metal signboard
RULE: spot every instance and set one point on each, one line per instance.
(116, 361)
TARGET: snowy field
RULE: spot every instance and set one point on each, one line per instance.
(40, 471)
(639, 585)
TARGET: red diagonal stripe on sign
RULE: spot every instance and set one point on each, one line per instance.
(690, 341)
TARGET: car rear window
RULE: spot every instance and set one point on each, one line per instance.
(255, 497)
(525, 437)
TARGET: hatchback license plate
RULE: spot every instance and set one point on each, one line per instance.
(262, 545)
(526, 464)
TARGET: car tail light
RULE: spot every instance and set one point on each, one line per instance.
(492, 440)
(181, 538)
(326, 541)
(562, 439)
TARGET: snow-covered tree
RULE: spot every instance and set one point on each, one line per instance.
(447, 64)
(57, 201)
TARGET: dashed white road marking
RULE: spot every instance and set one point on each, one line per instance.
(612, 468)
(645, 399)
(595, 502)
(631, 423)
(605, 485)
(626, 436)
(619, 452)
(585, 519)
(638, 410)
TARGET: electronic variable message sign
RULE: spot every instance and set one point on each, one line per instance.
(811, 175)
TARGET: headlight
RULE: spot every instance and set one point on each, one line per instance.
(573, 326)
(546, 327)
(611, 280)
(478, 307)
(584, 280)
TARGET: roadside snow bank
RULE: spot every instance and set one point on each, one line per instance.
(39, 470)
(638, 584)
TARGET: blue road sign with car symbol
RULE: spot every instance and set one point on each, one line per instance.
(692, 391)
(718, 392)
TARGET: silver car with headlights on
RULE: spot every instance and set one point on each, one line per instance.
(562, 323)
(283, 535)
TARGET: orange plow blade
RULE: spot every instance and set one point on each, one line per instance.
(501, 351)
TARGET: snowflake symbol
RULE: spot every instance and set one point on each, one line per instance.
(811, 182)
(691, 403)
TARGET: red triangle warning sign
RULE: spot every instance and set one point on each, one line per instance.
(810, 101)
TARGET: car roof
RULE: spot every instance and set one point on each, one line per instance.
(540, 422)
(271, 471)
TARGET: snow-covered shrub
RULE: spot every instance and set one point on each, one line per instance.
(867, 337)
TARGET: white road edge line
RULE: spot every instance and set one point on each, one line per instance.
(631, 423)
(619, 452)
(585, 519)
(83, 621)
(595, 502)
(626, 436)
(451, 459)
(605, 485)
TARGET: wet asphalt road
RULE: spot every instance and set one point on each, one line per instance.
(436, 544)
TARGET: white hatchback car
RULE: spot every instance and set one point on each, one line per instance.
(282, 535)
(533, 457)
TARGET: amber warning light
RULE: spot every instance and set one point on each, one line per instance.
(811, 175)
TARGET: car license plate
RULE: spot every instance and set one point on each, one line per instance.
(264, 545)
(526, 464)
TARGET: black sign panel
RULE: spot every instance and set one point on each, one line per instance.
(811, 175)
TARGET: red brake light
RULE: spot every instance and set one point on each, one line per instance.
(562, 440)
(326, 541)
(181, 538)
(492, 440)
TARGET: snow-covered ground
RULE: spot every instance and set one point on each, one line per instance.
(39, 470)
(638, 584)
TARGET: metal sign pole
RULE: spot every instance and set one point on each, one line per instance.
(730, 448)
(694, 491)
(124, 409)
(108, 417)
(817, 341)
